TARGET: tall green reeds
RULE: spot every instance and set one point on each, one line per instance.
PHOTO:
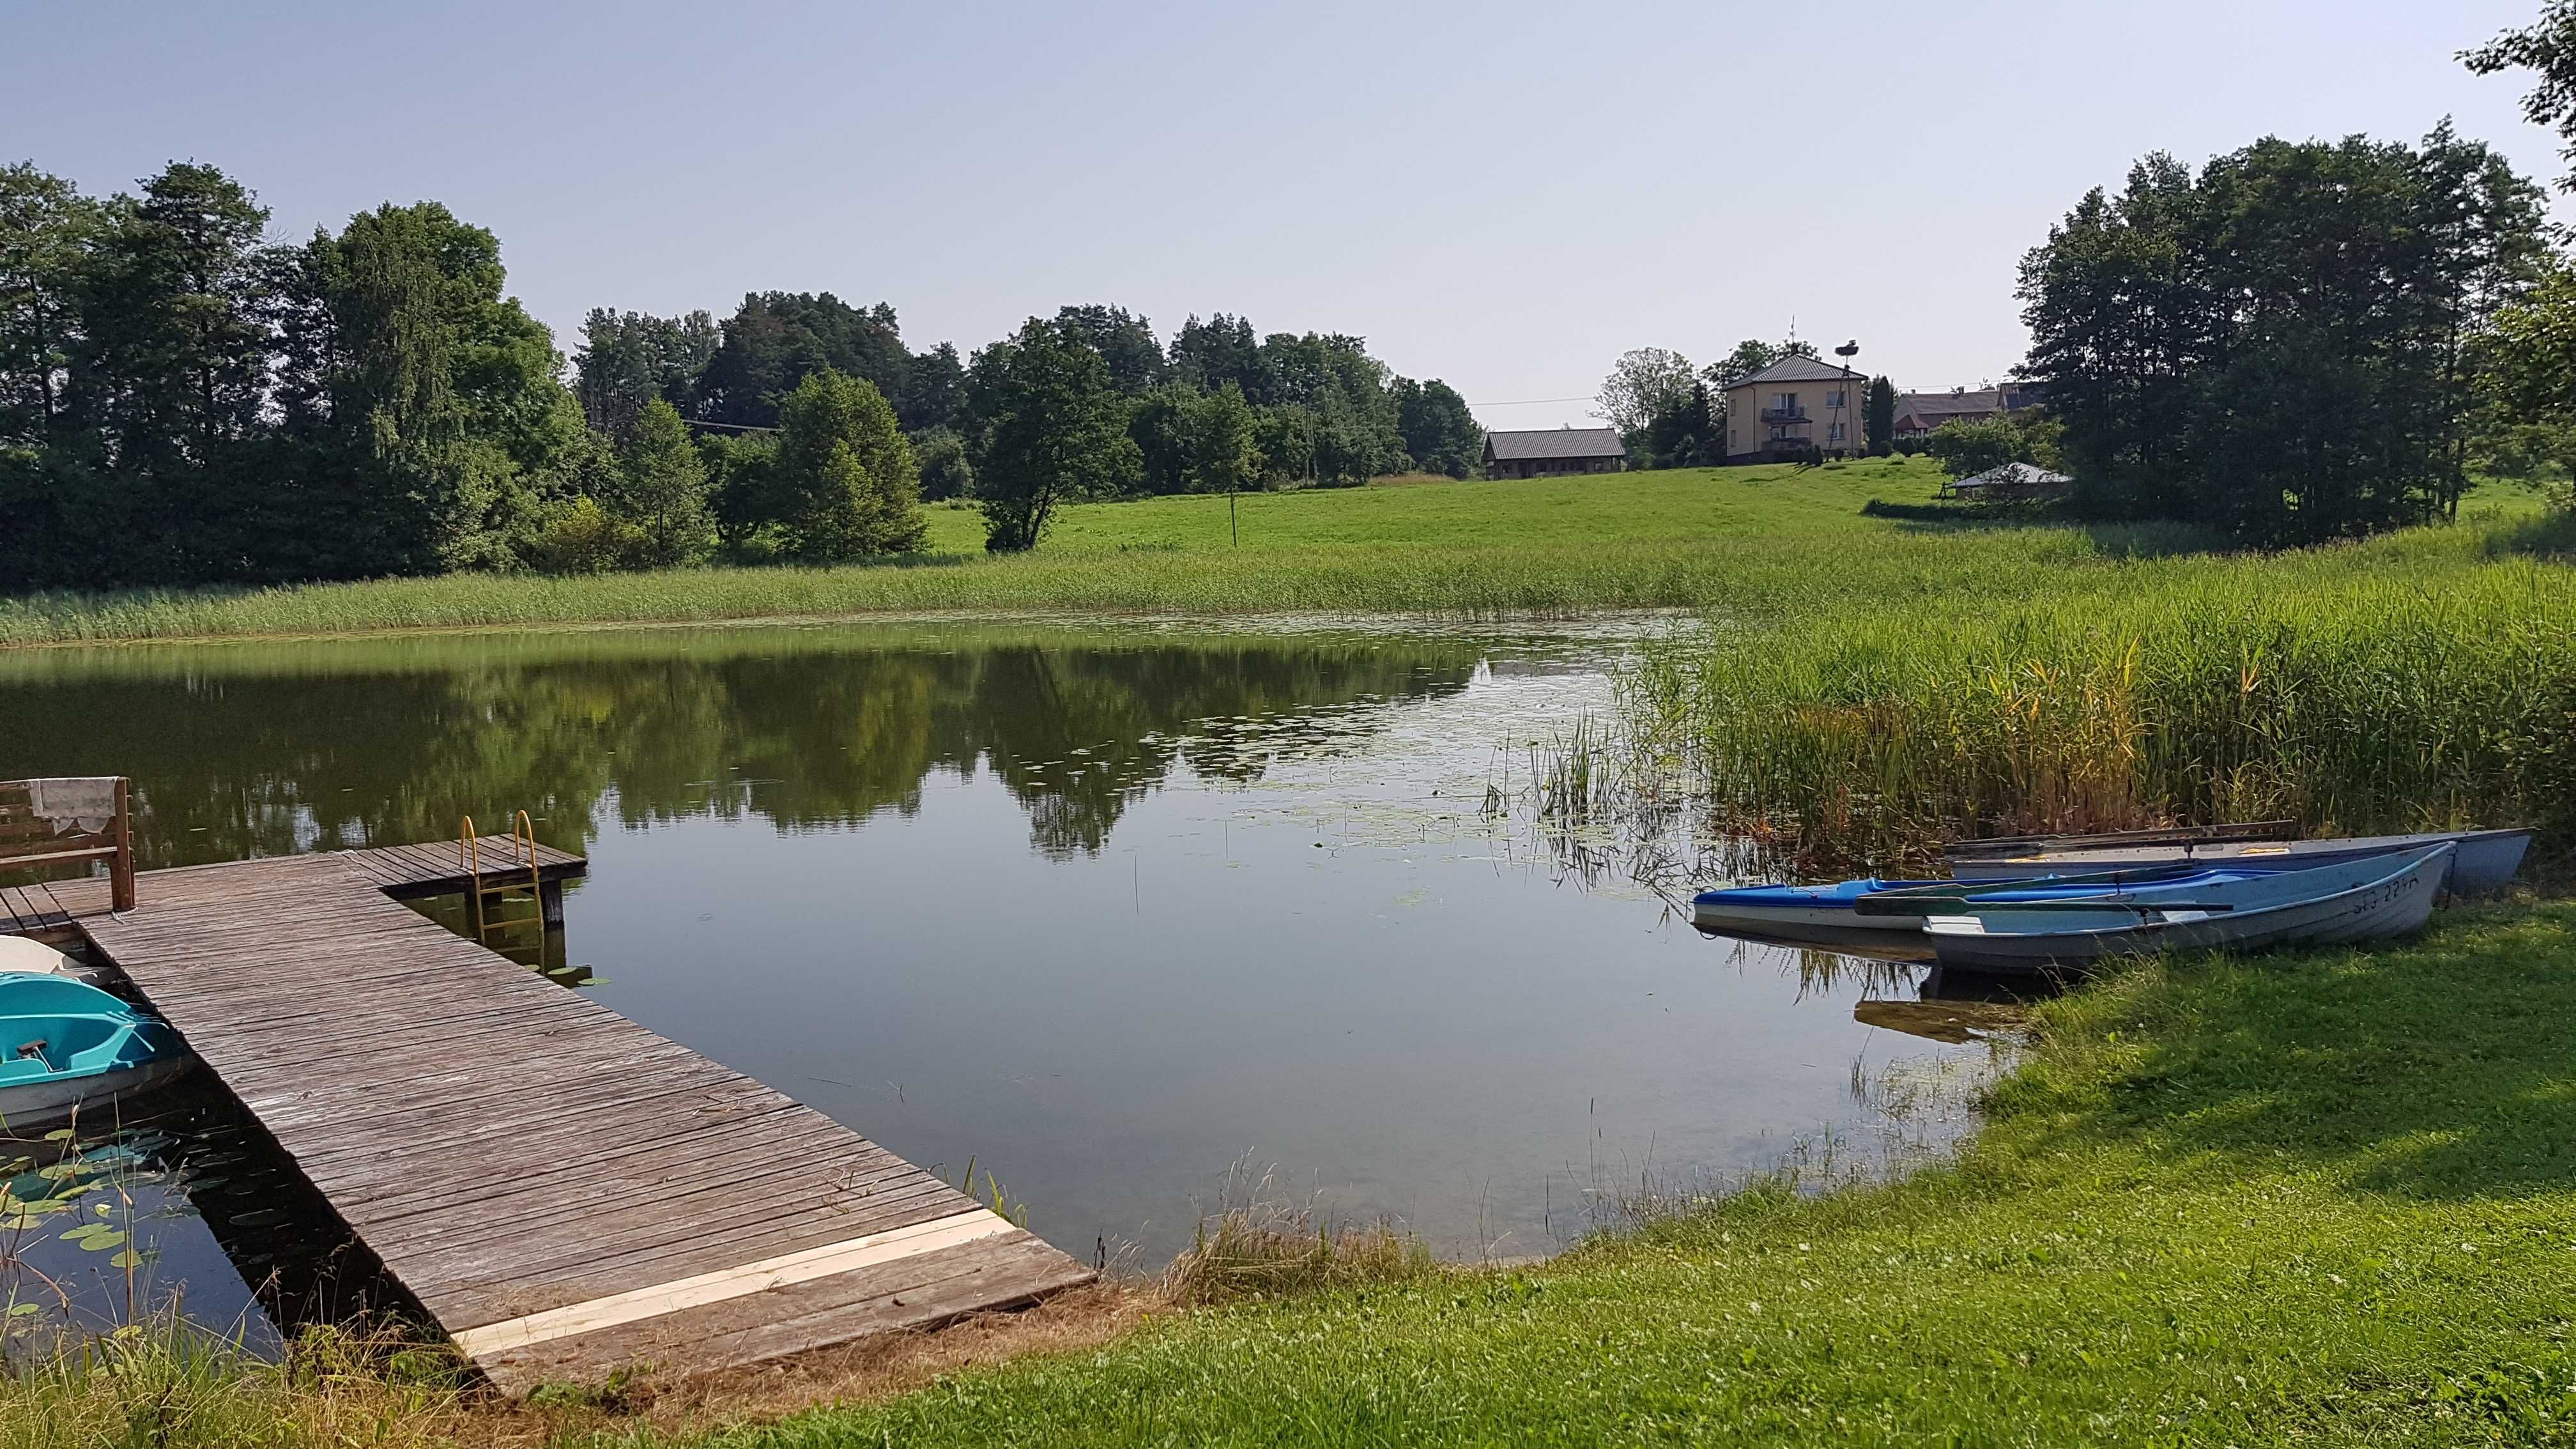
(166, 1384)
(2351, 690)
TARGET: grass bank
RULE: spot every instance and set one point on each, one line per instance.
(1738, 540)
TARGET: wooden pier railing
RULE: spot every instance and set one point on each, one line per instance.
(61, 820)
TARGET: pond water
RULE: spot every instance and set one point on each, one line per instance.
(1125, 915)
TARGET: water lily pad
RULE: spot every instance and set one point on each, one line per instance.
(101, 1242)
(21, 1310)
(59, 1134)
(129, 1259)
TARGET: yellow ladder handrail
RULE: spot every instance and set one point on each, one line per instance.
(469, 857)
(523, 832)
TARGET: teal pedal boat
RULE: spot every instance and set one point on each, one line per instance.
(68, 1048)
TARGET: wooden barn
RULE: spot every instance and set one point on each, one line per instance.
(1544, 452)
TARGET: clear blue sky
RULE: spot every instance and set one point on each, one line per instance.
(1503, 195)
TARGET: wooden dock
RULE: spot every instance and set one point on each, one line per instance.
(563, 1191)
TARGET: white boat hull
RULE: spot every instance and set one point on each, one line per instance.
(2394, 905)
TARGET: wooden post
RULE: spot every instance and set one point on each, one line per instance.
(550, 904)
(120, 867)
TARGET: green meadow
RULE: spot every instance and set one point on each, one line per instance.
(1734, 540)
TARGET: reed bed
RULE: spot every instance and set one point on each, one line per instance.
(1258, 1244)
(2413, 685)
(1469, 582)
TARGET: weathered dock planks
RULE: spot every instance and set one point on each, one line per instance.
(562, 1190)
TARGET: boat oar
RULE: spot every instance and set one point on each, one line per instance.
(2133, 875)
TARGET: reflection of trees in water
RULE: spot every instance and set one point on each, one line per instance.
(322, 751)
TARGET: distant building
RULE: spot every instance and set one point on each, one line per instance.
(1795, 406)
(1543, 452)
(1918, 413)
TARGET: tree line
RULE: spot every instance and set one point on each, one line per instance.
(2299, 341)
(184, 400)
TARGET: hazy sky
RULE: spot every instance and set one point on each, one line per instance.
(1504, 195)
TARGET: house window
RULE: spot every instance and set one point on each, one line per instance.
(1834, 399)
(1834, 432)
(1783, 401)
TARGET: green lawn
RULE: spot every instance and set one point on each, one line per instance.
(2322, 1199)
(1692, 504)
(1726, 539)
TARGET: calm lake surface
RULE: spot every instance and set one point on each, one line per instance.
(1118, 913)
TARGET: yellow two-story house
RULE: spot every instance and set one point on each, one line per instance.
(1794, 405)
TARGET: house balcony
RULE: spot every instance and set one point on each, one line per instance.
(1784, 415)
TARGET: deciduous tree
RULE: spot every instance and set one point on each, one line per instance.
(1053, 428)
(1438, 430)
(46, 231)
(775, 340)
(664, 487)
(1223, 455)
(1642, 383)
(846, 482)
(2547, 48)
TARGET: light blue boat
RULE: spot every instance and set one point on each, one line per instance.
(2368, 899)
(1873, 912)
(67, 1048)
(2483, 860)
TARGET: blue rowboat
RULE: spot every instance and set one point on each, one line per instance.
(2366, 899)
(2484, 861)
(66, 1047)
(1875, 912)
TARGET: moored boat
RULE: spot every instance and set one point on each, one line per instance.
(2365, 899)
(66, 1047)
(17, 953)
(1856, 912)
(2484, 861)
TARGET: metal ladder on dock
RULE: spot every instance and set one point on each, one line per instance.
(480, 898)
